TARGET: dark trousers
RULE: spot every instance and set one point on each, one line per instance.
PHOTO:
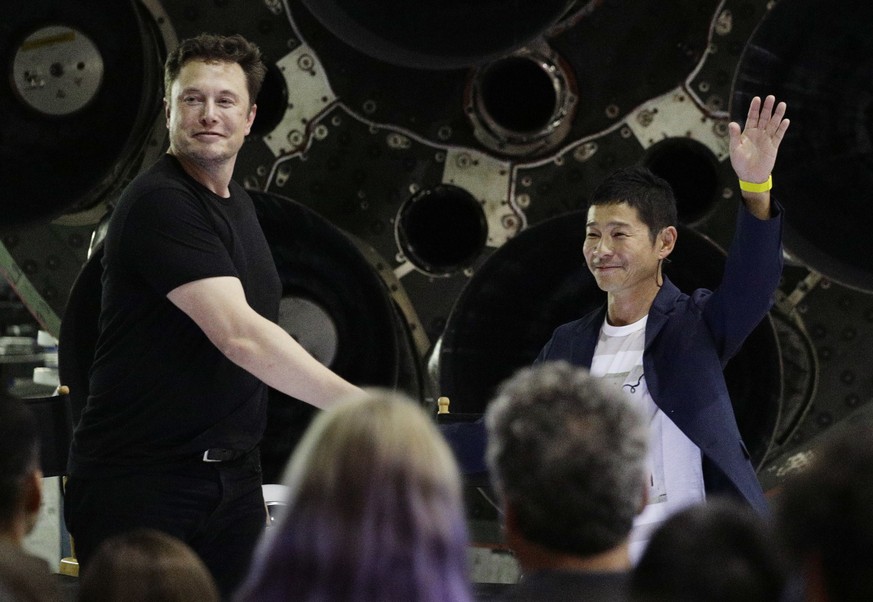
(216, 508)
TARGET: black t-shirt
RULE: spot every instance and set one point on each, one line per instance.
(160, 391)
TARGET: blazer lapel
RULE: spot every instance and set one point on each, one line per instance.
(586, 332)
(662, 307)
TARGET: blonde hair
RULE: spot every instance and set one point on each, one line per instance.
(375, 510)
(381, 430)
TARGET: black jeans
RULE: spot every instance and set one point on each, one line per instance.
(216, 508)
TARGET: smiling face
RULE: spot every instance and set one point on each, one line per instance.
(621, 253)
(209, 114)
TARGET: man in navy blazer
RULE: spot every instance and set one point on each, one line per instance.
(668, 349)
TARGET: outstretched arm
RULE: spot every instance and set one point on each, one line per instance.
(753, 150)
(218, 306)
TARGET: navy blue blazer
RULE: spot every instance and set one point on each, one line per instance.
(689, 339)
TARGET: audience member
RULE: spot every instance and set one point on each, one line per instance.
(23, 577)
(146, 565)
(718, 551)
(825, 518)
(567, 454)
(375, 512)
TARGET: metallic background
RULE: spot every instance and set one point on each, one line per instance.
(420, 171)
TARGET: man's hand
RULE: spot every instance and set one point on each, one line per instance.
(753, 149)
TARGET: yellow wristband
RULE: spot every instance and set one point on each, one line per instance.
(757, 187)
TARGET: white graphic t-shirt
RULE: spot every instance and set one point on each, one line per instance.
(674, 462)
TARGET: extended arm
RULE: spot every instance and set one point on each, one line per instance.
(218, 306)
(754, 262)
(753, 149)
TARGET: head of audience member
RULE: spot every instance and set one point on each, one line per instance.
(145, 565)
(566, 455)
(374, 512)
(650, 195)
(824, 515)
(719, 551)
(20, 474)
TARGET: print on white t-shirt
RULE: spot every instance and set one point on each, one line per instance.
(674, 462)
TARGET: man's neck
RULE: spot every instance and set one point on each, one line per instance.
(622, 310)
(214, 178)
(13, 533)
(533, 558)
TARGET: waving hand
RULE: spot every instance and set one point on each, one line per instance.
(753, 148)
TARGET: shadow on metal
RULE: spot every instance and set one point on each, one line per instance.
(819, 61)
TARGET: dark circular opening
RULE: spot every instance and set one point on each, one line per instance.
(518, 95)
(85, 158)
(691, 169)
(436, 34)
(332, 292)
(824, 173)
(442, 229)
(272, 102)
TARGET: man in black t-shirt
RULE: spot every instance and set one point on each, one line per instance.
(187, 336)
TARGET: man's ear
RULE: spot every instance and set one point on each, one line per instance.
(251, 119)
(644, 498)
(666, 241)
(33, 491)
(31, 500)
(510, 525)
(813, 577)
(510, 518)
(167, 111)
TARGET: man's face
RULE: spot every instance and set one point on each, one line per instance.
(208, 112)
(619, 250)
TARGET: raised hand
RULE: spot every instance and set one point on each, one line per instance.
(753, 149)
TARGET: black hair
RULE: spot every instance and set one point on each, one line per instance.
(650, 195)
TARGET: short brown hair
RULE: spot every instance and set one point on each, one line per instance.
(226, 49)
(145, 564)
